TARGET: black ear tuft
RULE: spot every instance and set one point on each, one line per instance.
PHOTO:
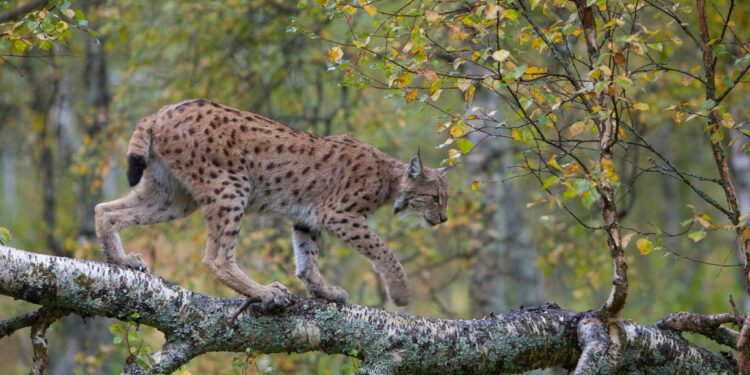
(136, 166)
(415, 166)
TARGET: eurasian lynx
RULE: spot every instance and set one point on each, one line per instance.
(199, 154)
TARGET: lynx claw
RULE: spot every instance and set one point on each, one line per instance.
(134, 261)
(278, 298)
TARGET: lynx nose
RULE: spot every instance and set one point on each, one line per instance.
(443, 218)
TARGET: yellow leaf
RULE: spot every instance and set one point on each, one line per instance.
(579, 127)
(457, 131)
(475, 185)
(572, 169)
(436, 95)
(534, 71)
(510, 14)
(371, 10)
(640, 106)
(552, 162)
(463, 84)
(644, 246)
(335, 54)
(727, 120)
(403, 80)
(454, 154)
(605, 69)
(410, 95)
(500, 55)
(469, 94)
(609, 170)
(537, 43)
(678, 117)
(704, 220)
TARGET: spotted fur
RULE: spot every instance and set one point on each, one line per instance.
(202, 155)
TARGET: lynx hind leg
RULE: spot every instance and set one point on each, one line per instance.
(306, 251)
(147, 203)
(223, 221)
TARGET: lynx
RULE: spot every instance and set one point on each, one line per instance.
(200, 154)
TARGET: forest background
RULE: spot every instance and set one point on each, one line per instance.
(68, 106)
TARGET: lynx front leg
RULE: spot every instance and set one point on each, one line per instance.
(306, 251)
(223, 221)
(353, 230)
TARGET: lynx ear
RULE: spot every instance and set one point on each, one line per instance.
(415, 166)
(442, 170)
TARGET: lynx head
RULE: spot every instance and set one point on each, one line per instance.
(422, 191)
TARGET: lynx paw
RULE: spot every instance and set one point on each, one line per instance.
(331, 293)
(401, 295)
(134, 261)
(278, 296)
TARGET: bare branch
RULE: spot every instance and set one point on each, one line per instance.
(706, 325)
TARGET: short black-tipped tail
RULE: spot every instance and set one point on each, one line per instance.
(138, 150)
(136, 166)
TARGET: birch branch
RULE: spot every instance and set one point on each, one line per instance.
(386, 342)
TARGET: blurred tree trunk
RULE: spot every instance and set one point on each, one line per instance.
(90, 335)
(10, 189)
(504, 274)
(45, 79)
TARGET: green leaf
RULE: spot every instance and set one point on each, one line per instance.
(238, 363)
(133, 336)
(570, 193)
(550, 181)
(588, 198)
(115, 329)
(20, 45)
(623, 81)
(464, 145)
(708, 104)
(697, 235)
(45, 45)
(717, 136)
(518, 72)
(117, 340)
(5, 236)
(720, 50)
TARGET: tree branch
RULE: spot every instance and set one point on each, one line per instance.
(706, 325)
(194, 324)
(21, 11)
